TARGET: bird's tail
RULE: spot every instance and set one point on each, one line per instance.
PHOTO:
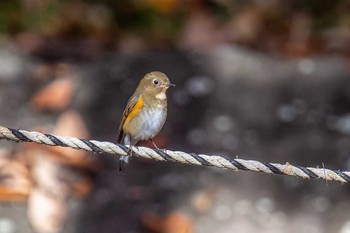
(124, 160)
(123, 163)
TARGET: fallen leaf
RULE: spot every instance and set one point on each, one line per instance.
(46, 213)
(203, 200)
(71, 123)
(175, 222)
(55, 96)
(15, 180)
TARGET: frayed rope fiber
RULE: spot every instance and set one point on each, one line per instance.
(174, 156)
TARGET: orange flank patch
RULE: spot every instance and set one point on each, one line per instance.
(134, 111)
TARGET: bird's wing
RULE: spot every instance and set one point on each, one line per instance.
(134, 104)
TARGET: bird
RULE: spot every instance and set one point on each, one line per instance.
(145, 113)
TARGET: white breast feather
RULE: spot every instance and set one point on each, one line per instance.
(161, 96)
(152, 122)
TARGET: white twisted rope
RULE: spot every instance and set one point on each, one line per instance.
(175, 156)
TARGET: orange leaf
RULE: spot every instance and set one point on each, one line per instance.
(55, 96)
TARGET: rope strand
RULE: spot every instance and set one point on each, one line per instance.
(175, 156)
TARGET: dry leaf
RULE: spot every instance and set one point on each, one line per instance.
(202, 201)
(71, 123)
(56, 180)
(14, 180)
(46, 214)
(175, 222)
(55, 96)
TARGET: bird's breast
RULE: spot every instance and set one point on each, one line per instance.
(149, 122)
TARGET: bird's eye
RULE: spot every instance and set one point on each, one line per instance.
(155, 82)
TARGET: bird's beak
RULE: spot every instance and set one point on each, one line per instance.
(168, 85)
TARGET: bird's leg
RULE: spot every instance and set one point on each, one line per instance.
(154, 144)
(157, 149)
(162, 150)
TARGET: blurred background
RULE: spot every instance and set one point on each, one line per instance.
(263, 80)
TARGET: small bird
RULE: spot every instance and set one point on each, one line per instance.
(145, 113)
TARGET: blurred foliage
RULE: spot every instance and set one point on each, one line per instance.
(161, 20)
(166, 20)
(324, 13)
